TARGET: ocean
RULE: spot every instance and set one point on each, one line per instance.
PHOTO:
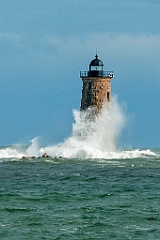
(64, 198)
(84, 188)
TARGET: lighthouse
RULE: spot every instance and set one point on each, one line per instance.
(96, 86)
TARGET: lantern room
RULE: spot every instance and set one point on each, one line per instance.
(96, 67)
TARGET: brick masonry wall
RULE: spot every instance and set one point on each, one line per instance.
(95, 92)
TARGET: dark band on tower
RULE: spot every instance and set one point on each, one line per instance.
(96, 85)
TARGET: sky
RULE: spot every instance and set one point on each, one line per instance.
(45, 44)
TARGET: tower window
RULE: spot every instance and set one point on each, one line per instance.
(108, 96)
(89, 85)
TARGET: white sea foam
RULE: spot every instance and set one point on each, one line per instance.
(96, 138)
(9, 152)
(91, 137)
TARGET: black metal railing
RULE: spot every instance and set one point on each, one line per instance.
(96, 74)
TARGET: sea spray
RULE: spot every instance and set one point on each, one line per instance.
(33, 149)
(99, 131)
(92, 136)
(12, 151)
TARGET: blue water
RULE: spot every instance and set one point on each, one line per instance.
(55, 198)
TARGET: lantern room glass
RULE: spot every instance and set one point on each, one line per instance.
(96, 68)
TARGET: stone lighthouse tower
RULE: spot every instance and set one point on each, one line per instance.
(96, 85)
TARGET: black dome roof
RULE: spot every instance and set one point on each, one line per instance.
(96, 62)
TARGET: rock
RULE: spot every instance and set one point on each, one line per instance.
(28, 157)
(45, 155)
